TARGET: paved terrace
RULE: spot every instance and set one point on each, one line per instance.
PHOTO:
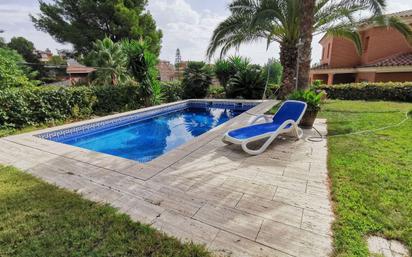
(275, 204)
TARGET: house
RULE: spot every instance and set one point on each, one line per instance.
(387, 56)
(78, 73)
(167, 71)
(44, 56)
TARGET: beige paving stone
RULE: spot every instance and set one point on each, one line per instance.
(317, 223)
(293, 241)
(229, 219)
(263, 190)
(297, 185)
(143, 211)
(245, 173)
(176, 200)
(216, 195)
(227, 244)
(304, 200)
(273, 210)
(185, 228)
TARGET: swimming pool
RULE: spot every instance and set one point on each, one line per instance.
(145, 136)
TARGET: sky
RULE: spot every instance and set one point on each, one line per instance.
(186, 24)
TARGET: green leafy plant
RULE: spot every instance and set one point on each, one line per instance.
(172, 91)
(248, 83)
(20, 107)
(310, 97)
(216, 92)
(389, 91)
(111, 61)
(225, 69)
(11, 73)
(142, 66)
(197, 78)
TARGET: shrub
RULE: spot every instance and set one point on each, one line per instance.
(248, 83)
(27, 106)
(310, 97)
(20, 107)
(11, 73)
(216, 93)
(196, 80)
(272, 91)
(116, 98)
(226, 69)
(172, 91)
(391, 91)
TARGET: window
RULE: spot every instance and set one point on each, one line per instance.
(366, 44)
(328, 50)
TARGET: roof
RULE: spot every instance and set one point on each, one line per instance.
(404, 59)
(73, 67)
(406, 13)
(401, 14)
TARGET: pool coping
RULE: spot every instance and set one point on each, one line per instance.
(142, 171)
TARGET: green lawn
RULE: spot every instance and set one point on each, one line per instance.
(371, 173)
(38, 219)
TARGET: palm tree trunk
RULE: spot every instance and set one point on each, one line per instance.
(288, 58)
(305, 50)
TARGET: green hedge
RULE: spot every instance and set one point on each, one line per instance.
(391, 91)
(20, 107)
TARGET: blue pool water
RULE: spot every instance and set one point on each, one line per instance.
(147, 139)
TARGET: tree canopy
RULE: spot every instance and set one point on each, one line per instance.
(24, 47)
(82, 22)
(11, 73)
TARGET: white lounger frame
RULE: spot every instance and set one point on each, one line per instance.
(293, 130)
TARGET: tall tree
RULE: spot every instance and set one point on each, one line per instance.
(279, 21)
(307, 22)
(305, 43)
(25, 48)
(83, 22)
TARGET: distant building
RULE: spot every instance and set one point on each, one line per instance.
(180, 69)
(44, 56)
(387, 56)
(166, 70)
(77, 72)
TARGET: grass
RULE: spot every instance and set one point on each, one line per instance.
(371, 173)
(38, 219)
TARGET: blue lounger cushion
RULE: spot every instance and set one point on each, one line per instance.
(285, 120)
(254, 130)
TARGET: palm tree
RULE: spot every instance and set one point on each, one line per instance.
(305, 43)
(280, 21)
(111, 61)
(142, 66)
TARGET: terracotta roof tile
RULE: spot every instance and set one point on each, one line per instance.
(404, 59)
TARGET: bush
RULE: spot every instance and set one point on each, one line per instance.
(28, 106)
(248, 84)
(216, 93)
(172, 91)
(196, 80)
(391, 91)
(116, 98)
(20, 107)
(11, 73)
(272, 91)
